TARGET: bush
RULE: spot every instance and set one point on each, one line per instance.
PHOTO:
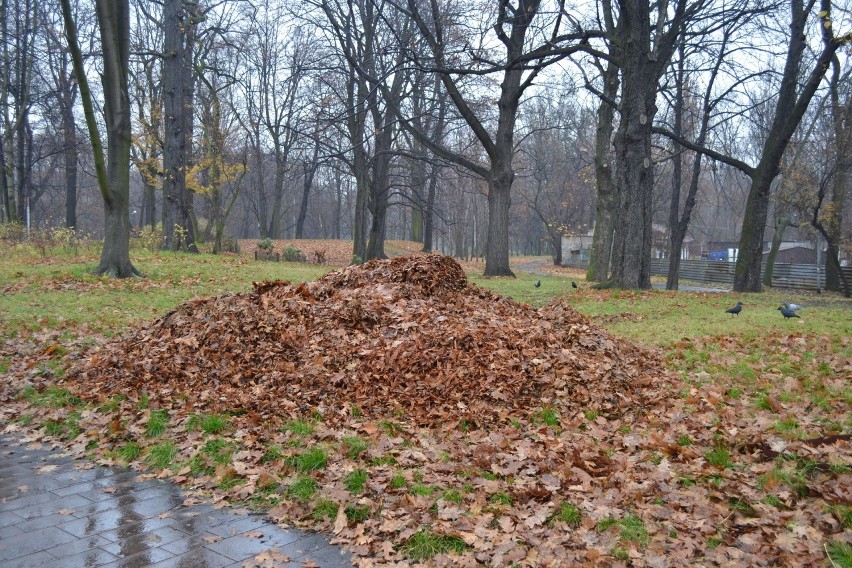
(292, 254)
(266, 245)
(147, 238)
(231, 244)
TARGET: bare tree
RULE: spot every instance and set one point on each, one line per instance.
(114, 175)
(790, 105)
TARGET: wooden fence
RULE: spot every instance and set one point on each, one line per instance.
(798, 276)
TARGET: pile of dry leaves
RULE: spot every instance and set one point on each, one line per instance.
(407, 337)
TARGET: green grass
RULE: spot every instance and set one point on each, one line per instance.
(51, 397)
(299, 427)
(273, 454)
(108, 306)
(357, 513)
(208, 423)
(219, 450)
(309, 460)
(162, 455)
(324, 509)
(157, 423)
(354, 446)
(631, 529)
(567, 513)
(452, 496)
(840, 553)
(843, 514)
(113, 404)
(426, 544)
(129, 452)
(720, 456)
(397, 482)
(303, 488)
(549, 416)
(67, 428)
(421, 489)
(355, 481)
(501, 499)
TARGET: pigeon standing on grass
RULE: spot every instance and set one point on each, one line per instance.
(787, 313)
(735, 311)
(573, 284)
(537, 284)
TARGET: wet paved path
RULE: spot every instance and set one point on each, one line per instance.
(54, 515)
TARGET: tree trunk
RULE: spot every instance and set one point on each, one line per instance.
(599, 261)
(631, 255)
(781, 223)
(114, 179)
(281, 159)
(178, 90)
(675, 237)
(750, 255)
(790, 108)
(310, 171)
(429, 214)
(841, 114)
(497, 241)
(67, 95)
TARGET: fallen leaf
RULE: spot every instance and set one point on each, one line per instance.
(340, 521)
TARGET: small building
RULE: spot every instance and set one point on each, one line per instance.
(794, 252)
(576, 250)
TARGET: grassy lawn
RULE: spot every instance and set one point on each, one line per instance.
(751, 429)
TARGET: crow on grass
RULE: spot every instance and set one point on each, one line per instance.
(787, 313)
(735, 311)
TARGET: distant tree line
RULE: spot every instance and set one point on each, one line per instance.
(483, 128)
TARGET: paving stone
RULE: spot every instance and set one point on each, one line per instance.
(54, 505)
(29, 543)
(201, 558)
(139, 523)
(238, 525)
(142, 559)
(37, 559)
(88, 558)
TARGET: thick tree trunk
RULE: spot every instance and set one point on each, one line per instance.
(178, 91)
(114, 179)
(631, 262)
(750, 255)
(599, 262)
(497, 241)
(781, 223)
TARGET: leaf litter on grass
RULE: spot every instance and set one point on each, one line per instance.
(451, 382)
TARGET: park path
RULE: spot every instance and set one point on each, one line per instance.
(56, 512)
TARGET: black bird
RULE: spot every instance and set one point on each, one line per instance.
(573, 284)
(538, 284)
(735, 311)
(787, 313)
